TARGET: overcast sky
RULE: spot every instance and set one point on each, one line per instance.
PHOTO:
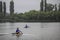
(26, 5)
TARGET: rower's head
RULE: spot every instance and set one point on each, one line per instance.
(17, 28)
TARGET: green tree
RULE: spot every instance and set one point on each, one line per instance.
(55, 7)
(59, 7)
(11, 7)
(4, 4)
(0, 6)
(45, 5)
(41, 5)
(50, 7)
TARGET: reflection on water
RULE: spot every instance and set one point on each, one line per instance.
(36, 31)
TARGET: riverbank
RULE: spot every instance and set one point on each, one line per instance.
(2, 21)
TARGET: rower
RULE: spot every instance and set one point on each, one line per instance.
(17, 31)
(26, 26)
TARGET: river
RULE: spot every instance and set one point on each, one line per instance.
(35, 31)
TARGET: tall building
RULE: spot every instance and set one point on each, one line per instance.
(4, 8)
(11, 7)
(0, 6)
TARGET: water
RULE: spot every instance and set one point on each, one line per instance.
(35, 31)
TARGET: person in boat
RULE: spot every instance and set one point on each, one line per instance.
(26, 26)
(18, 31)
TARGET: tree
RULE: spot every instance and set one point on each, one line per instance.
(45, 5)
(4, 8)
(50, 7)
(41, 5)
(0, 6)
(11, 7)
(55, 7)
(59, 7)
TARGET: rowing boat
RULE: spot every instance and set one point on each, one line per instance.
(18, 35)
(13, 34)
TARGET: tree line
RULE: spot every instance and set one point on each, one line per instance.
(35, 16)
(48, 13)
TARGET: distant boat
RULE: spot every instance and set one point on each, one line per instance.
(26, 26)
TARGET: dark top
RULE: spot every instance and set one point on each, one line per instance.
(18, 30)
(26, 26)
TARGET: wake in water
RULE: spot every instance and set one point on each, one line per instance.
(18, 38)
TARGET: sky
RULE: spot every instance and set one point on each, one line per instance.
(21, 6)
